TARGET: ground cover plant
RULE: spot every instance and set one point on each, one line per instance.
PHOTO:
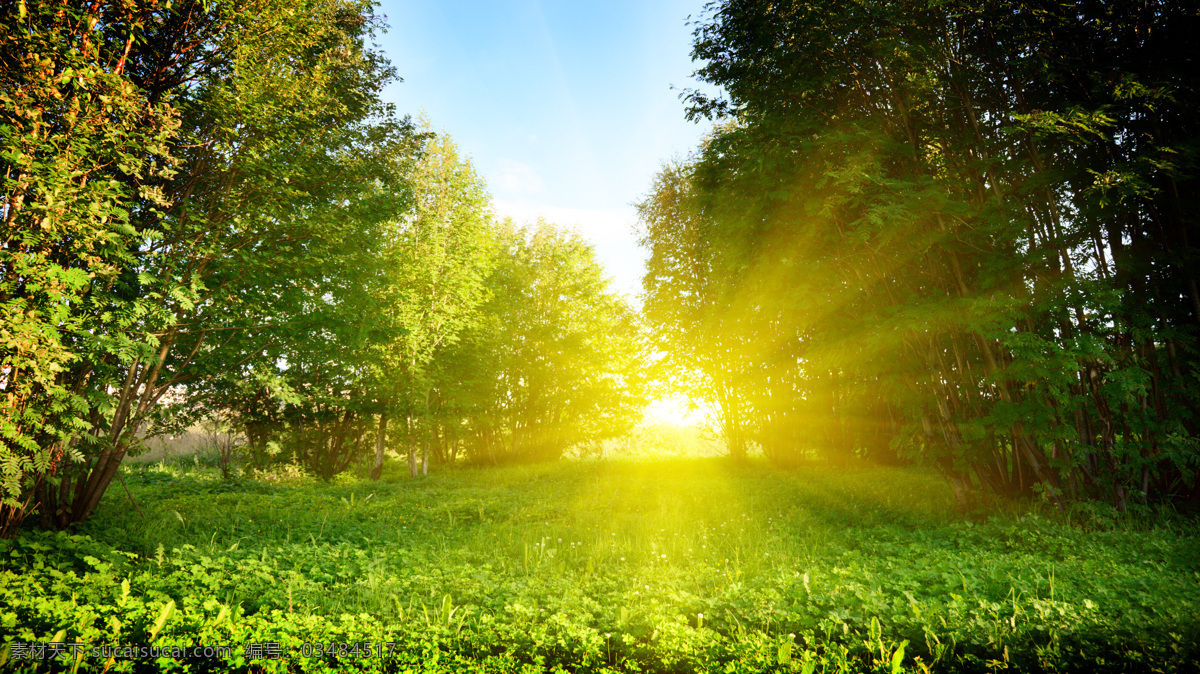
(609, 565)
(956, 238)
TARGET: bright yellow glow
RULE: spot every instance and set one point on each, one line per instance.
(676, 410)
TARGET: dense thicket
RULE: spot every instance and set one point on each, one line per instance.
(964, 232)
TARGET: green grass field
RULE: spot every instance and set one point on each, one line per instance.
(630, 566)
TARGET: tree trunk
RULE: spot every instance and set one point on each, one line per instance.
(380, 445)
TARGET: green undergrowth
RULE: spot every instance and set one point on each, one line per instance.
(593, 566)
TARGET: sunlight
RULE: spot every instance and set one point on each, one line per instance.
(676, 410)
(646, 520)
(868, 346)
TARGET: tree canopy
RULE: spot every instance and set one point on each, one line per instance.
(962, 232)
(210, 212)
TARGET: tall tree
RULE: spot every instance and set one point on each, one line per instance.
(437, 257)
(81, 146)
(560, 356)
(278, 135)
(973, 220)
(688, 300)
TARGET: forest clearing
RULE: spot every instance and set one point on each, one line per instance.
(607, 565)
(657, 337)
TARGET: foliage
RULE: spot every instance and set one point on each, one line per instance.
(558, 359)
(83, 148)
(180, 178)
(439, 333)
(957, 232)
(618, 566)
(437, 260)
(484, 341)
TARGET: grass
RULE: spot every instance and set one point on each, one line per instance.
(612, 565)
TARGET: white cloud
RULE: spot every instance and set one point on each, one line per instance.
(515, 177)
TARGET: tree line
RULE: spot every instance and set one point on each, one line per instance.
(962, 233)
(209, 211)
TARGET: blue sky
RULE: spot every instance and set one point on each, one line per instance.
(566, 108)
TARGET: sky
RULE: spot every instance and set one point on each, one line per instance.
(566, 108)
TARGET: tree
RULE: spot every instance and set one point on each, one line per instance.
(281, 138)
(689, 299)
(963, 230)
(558, 359)
(436, 256)
(80, 143)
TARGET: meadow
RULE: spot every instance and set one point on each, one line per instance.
(606, 565)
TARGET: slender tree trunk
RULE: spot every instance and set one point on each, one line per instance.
(380, 445)
(412, 450)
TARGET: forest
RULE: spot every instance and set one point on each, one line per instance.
(932, 270)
